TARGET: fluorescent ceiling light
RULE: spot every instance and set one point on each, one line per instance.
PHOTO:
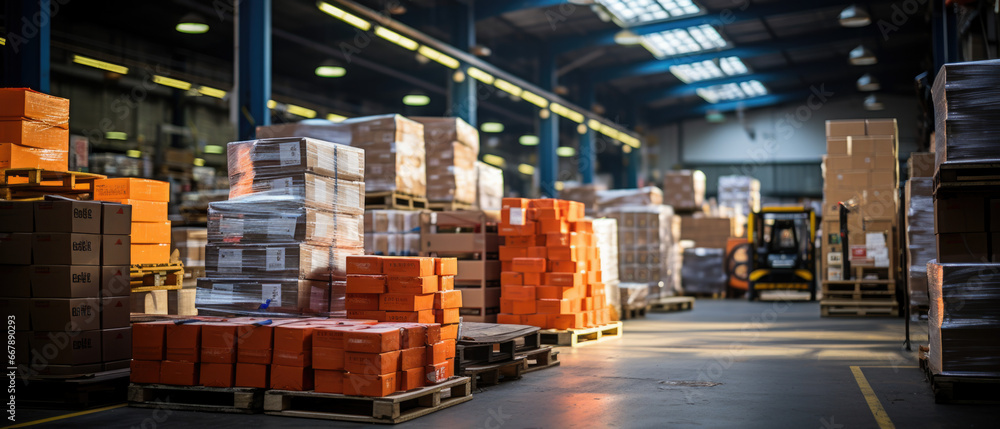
(3, 41)
(732, 91)
(494, 160)
(853, 16)
(416, 100)
(560, 185)
(526, 169)
(115, 135)
(133, 153)
(171, 82)
(594, 124)
(199, 162)
(396, 38)
(567, 113)
(301, 111)
(609, 131)
(441, 58)
(565, 151)
(508, 87)
(868, 83)
(192, 23)
(861, 56)
(212, 92)
(343, 15)
(272, 104)
(535, 99)
(873, 103)
(330, 68)
(333, 117)
(212, 148)
(528, 140)
(627, 38)
(683, 41)
(491, 127)
(481, 76)
(709, 69)
(631, 12)
(628, 140)
(98, 64)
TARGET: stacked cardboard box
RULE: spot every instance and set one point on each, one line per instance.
(452, 147)
(190, 243)
(703, 271)
(586, 194)
(392, 232)
(65, 266)
(606, 240)
(280, 244)
(919, 226)
(150, 227)
(684, 190)
(551, 270)
(648, 196)
(471, 237)
(963, 332)
(489, 194)
(34, 130)
(707, 232)
(741, 193)
(647, 251)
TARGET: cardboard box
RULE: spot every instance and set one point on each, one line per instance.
(149, 253)
(128, 188)
(838, 146)
(144, 211)
(885, 145)
(862, 145)
(879, 127)
(17, 281)
(14, 156)
(150, 302)
(23, 103)
(179, 373)
(27, 132)
(66, 249)
(422, 316)
(364, 264)
(838, 163)
(149, 342)
(291, 378)
(68, 216)
(116, 219)
(69, 347)
(217, 374)
(58, 314)
(372, 363)
(16, 248)
(370, 385)
(372, 340)
(327, 381)
(145, 371)
(413, 267)
(150, 232)
(295, 154)
(962, 247)
(885, 162)
(116, 344)
(117, 250)
(921, 164)
(406, 302)
(959, 214)
(183, 342)
(65, 281)
(17, 216)
(115, 312)
(115, 281)
(253, 375)
(844, 128)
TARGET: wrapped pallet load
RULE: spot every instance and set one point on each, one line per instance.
(489, 186)
(452, 147)
(606, 237)
(919, 228)
(645, 244)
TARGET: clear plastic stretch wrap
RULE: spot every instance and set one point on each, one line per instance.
(633, 294)
(392, 221)
(281, 156)
(452, 147)
(340, 196)
(489, 186)
(264, 297)
(15, 156)
(963, 320)
(392, 232)
(684, 189)
(741, 193)
(920, 241)
(22, 103)
(966, 112)
(606, 240)
(703, 271)
(648, 196)
(259, 218)
(645, 239)
(291, 260)
(447, 130)
(584, 193)
(392, 244)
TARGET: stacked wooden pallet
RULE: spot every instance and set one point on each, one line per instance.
(490, 354)
(872, 292)
(470, 236)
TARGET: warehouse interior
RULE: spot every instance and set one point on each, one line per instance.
(636, 213)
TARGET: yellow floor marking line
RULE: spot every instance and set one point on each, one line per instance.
(866, 389)
(65, 416)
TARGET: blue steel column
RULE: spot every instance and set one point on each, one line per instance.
(254, 65)
(548, 135)
(635, 156)
(26, 51)
(944, 33)
(587, 161)
(463, 94)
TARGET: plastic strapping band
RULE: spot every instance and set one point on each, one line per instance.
(264, 305)
(336, 197)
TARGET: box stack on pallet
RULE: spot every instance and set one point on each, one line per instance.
(34, 130)
(452, 148)
(392, 232)
(919, 228)
(684, 190)
(741, 193)
(586, 194)
(702, 270)
(861, 169)
(646, 239)
(606, 240)
(489, 187)
(471, 237)
(964, 333)
(295, 214)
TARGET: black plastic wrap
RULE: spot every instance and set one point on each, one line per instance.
(280, 219)
(967, 112)
(702, 271)
(964, 319)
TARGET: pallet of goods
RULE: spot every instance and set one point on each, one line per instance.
(489, 187)
(918, 227)
(684, 190)
(392, 232)
(470, 237)
(452, 148)
(606, 240)
(647, 253)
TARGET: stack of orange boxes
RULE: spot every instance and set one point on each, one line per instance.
(150, 227)
(34, 130)
(551, 270)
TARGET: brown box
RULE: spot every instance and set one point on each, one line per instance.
(66, 249)
(65, 281)
(960, 247)
(845, 127)
(838, 146)
(17, 216)
(851, 180)
(294, 154)
(684, 189)
(70, 347)
(959, 214)
(57, 314)
(862, 145)
(68, 216)
(877, 127)
(279, 260)
(15, 248)
(16, 281)
(116, 218)
(115, 281)
(836, 163)
(862, 161)
(116, 250)
(115, 312)
(883, 179)
(885, 145)
(885, 162)
(880, 204)
(116, 344)
(921, 164)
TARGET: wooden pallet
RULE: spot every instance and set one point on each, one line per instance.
(634, 312)
(953, 389)
(33, 183)
(577, 337)
(673, 303)
(539, 359)
(449, 206)
(242, 400)
(966, 176)
(495, 373)
(396, 408)
(146, 278)
(391, 200)
(851, 307)
(484, 343)
(86, 391)
(859, 289)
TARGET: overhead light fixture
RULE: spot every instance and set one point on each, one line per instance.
(526, 169)
(199, 162)
(709, 69)
(300, 111)
(3, 41)
(508, 87)
(343, 15)
(567, 113)
(330, 68)
(98, 64)
(868, 83)
(861, 56)
(115, 135)
(627, 38)
(481, 76)
(535, 99)
(212, 92)
(544, 113)
(628, 140)
(192, 23)
(441, 58)
(171, 82)
(133, 153)
(627, 149)
(873, 103)
(581, 129)
(396, 38)
(715, 116)
(416, 99)
(494, 160)
(480, 51)
(528, 140)
(853, 16)
(214, 149)
(565, 151)
(491, 127)
(630, 12)
(594, 124)
(271, 104)
(333, 117)
(732, 91)
(683, 41)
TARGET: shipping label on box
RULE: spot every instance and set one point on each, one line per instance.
(66, 248)
(57, 314)
(65, 281)
(68, 216)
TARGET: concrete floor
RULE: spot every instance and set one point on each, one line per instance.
(724, 364)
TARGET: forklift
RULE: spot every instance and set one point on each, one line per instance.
(782, 250)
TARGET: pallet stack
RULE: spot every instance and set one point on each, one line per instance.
(684, 190)
(471, 237)
(742, 193)
(452, 148)
(392, 232)
(861, 167)
(279, 245)
(646, 253)
(489, 187)
(606, 240)
(34, 130)
(919, 228)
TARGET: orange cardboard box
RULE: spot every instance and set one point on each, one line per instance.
(563, 279)
(435, 333)
(440, 372)
(591, 253)
(532, 279)
(566, 321)
(447, 316)
(183, 342)
(415, 357)
(587, 304)
(562, 240)
(523, 307)
(448, 299)
(594, 276)
(509, 319)
(128, 188)
(408, 266)
(539, 320)
(451, 349)
(291, 378)
(529, 228)
(151, 232)
(371, 363)
(556, 292)
(583, 226)
(412, 285)
(525, 241)
(14, 156)
(511, 278)
(364, 264)
(565, 253)
(537, 252)
(508, 253)
(543, 203)
(179, 373)
(218, 374)
(553, 226)
(327, 358)
(446, 267)
(150, 253)
(256, 344)
(148, 341)
(145, 211)
(219, 342)
(422, 316)
(412, 378)
(514, 216)
(253, 375)
(506, 266)
(361, 301)
(366, 314)
(528, 265)
(375, 339)
(292, 345)
(554, 306)
(567, 266)
(366, 283)
(548, 213)
(448, 332)
(17, 103)
(577, 211)
(328, 381)
(515, 202)
(332, 336)
(438, 352)
(515, 292)
(370, 385)
(145, 371)
(412, 334)
(446, 283)
(405, 302)
(27, 132)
